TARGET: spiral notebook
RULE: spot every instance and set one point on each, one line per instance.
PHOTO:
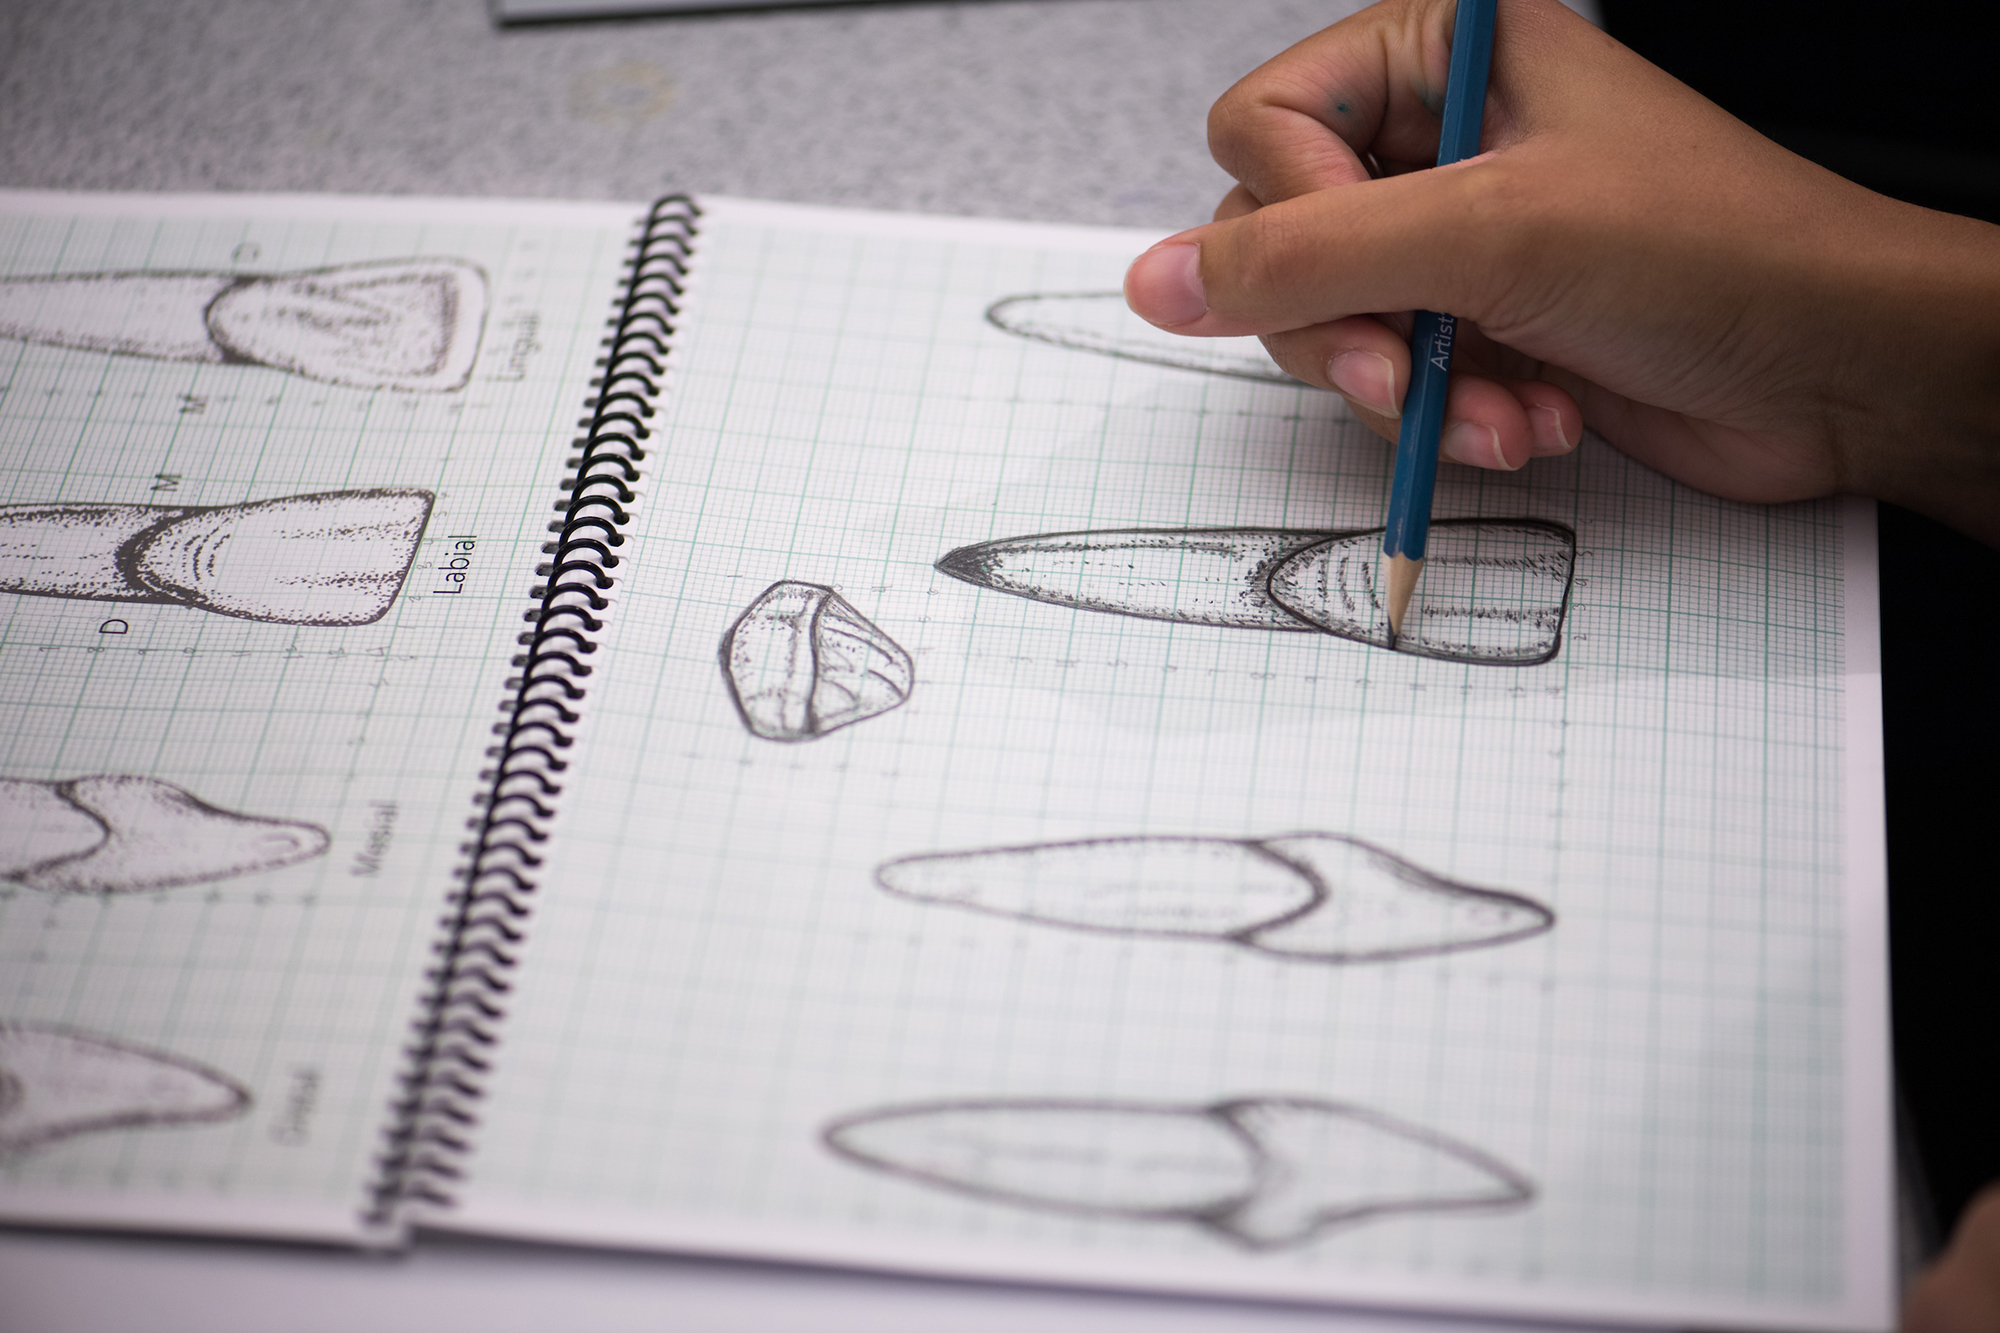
(812, 735)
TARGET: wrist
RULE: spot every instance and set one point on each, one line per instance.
(1928, 436)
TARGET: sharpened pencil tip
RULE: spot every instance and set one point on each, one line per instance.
(1399, 578)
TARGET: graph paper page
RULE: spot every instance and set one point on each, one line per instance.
(1001, 844)
(260, 580)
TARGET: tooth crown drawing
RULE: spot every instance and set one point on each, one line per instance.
(332, 558)
(57, 1082)
(801, 662)
(1313, 897)
(1495, 591)
(126, 834)
(407, 324)
(1264, 1173)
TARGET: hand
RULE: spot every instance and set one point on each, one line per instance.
(1632, 257)
(1961, 1292)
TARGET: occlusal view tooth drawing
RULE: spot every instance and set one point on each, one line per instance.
(1495, 591)
(801, 662)
(1265, 1173)
(331, 558)
(406, 324)
(57, 1082)
(1308, 897)
(121, 833)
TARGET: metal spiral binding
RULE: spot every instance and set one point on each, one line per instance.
(433, 1115)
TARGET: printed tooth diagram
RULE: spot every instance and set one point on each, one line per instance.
(1264, 1173)
(405, 324)
(1495, 591)
(333, 558)
(119, 833)
(801, 662)
(1309, 897)
(56, 1082)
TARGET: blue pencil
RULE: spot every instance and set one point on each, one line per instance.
(1431, 341)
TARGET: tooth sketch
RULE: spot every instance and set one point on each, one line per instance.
(120, 833)
(56, 1082)
(1196, 576)
(1495, 591)
(1101, 322)
(1309, 897)
(333, 558)
(1262, 1172)
(407, 324)
(802, 662)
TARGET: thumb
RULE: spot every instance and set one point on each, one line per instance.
(1424, 240)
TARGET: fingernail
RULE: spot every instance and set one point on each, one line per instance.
(1548, 432)
(1369, 378)
(1475, 445)
(1164, 285)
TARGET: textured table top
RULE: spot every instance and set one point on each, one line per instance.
(1063, 110)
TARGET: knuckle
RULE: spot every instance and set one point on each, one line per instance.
(1513, 233)
(1232, 125)
(1227, 114)
(1299, 355)
(1263, 260)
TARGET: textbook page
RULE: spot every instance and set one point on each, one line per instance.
(274, 476)
(1001, 840)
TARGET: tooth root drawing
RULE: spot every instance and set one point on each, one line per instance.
(1500, 598)
(801, 662)
(1309, 897)
(1265, 1173)
(1101, 322)
(125, 834)
(407, 324)
(334, 558)
(1195, 576)
(56, 1082)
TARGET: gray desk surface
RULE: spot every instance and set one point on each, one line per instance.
(1064, 110)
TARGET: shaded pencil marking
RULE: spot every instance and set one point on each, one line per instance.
(1194, 576)
(1263, 1173)
(406, 324)
(1101, 322)
(57, 1082)
(1304, 897)
(120, 833)
(1495, 592)
(331, 558)
(1497, 596)
(800, 662)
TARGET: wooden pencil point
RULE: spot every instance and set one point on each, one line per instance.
(1400, 583)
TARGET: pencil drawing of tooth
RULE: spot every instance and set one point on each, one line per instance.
(1498, 598)
(407, 324)
(801, 662)
(1101, 322)
(1264, 1173)
(1493, 592)
(333, 558)
(56, 1082)
(1311, 897)
(1196, 576)
(120, 833)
